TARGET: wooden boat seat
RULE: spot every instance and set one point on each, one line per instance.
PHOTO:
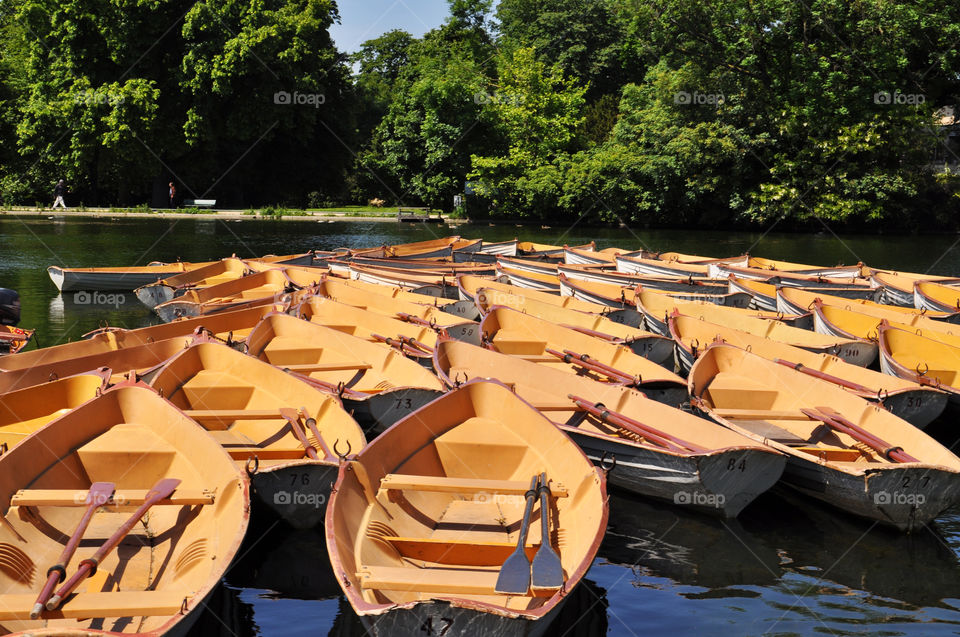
(400, 482)
(210, 387)
(833, 455)
(17, 607)
(727, 389)
(124, 497)
(512, 342)
(470, 552)
(241, 448)
(450, 581)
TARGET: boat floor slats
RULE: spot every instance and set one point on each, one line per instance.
(449, 581)
(87, 605)
(468, 552)
(463, 485)
(772, 432)
(125, 497)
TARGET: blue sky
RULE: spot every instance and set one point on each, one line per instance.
(362, 20)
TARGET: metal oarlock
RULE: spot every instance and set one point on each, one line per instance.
(342, 456)
(603, 463)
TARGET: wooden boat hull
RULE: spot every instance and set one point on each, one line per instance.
(518, 334)
(505, 248)
(660, 269)
(443, 619)
(334, 357)
(530, 280)
(891, 293)
(106, 279)
(933, 297)
(142, 359)
(721, 483)
(897, 497)
(23, 412)
(423, 453)
(165, 568)
(303, 505)
(238, 398)
(935, 362)
(375, 413)
(690, 481)
(765, 401)
(913, 402)
(171, 287)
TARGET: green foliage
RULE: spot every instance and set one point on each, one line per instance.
(538, 111)
(420, 151)
(681, 112)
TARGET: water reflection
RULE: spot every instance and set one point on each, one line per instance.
(279, 564)
(791, 563)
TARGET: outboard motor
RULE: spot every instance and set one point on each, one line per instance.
(9, 307)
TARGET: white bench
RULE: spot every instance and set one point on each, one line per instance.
(199, 203)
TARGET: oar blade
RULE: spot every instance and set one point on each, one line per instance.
(100, 493)
(514, 578)
(163, 489)
(547, 571)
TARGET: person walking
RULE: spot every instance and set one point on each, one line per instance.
(58, 192)
(173, 194)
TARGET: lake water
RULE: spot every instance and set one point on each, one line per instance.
(786, 566)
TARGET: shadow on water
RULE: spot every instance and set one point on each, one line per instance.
(804, 564)
(278, 564)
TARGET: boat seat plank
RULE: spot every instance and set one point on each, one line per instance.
(266, 453)
(761, 414)
(832, 455)
(86, 605)
(325, 367)
(230, 415)
(123, 497)
(448, 581)
(440, 484)
(471, 552)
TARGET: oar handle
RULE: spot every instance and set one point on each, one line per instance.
(531, 496)
(293, 418)
(544, 491)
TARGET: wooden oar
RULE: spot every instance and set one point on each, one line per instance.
(836, 380)
(161, 490)
(835, 420)
(590, 364)
(292, 416)
(547, 570)
(655, 436)
(514, 578)
(311, 424)
(98, 495)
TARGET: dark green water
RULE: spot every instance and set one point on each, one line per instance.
(787, 566)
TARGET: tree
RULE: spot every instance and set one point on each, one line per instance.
(420, 151)
(380, 62)
(538, 111)
(584, 37)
